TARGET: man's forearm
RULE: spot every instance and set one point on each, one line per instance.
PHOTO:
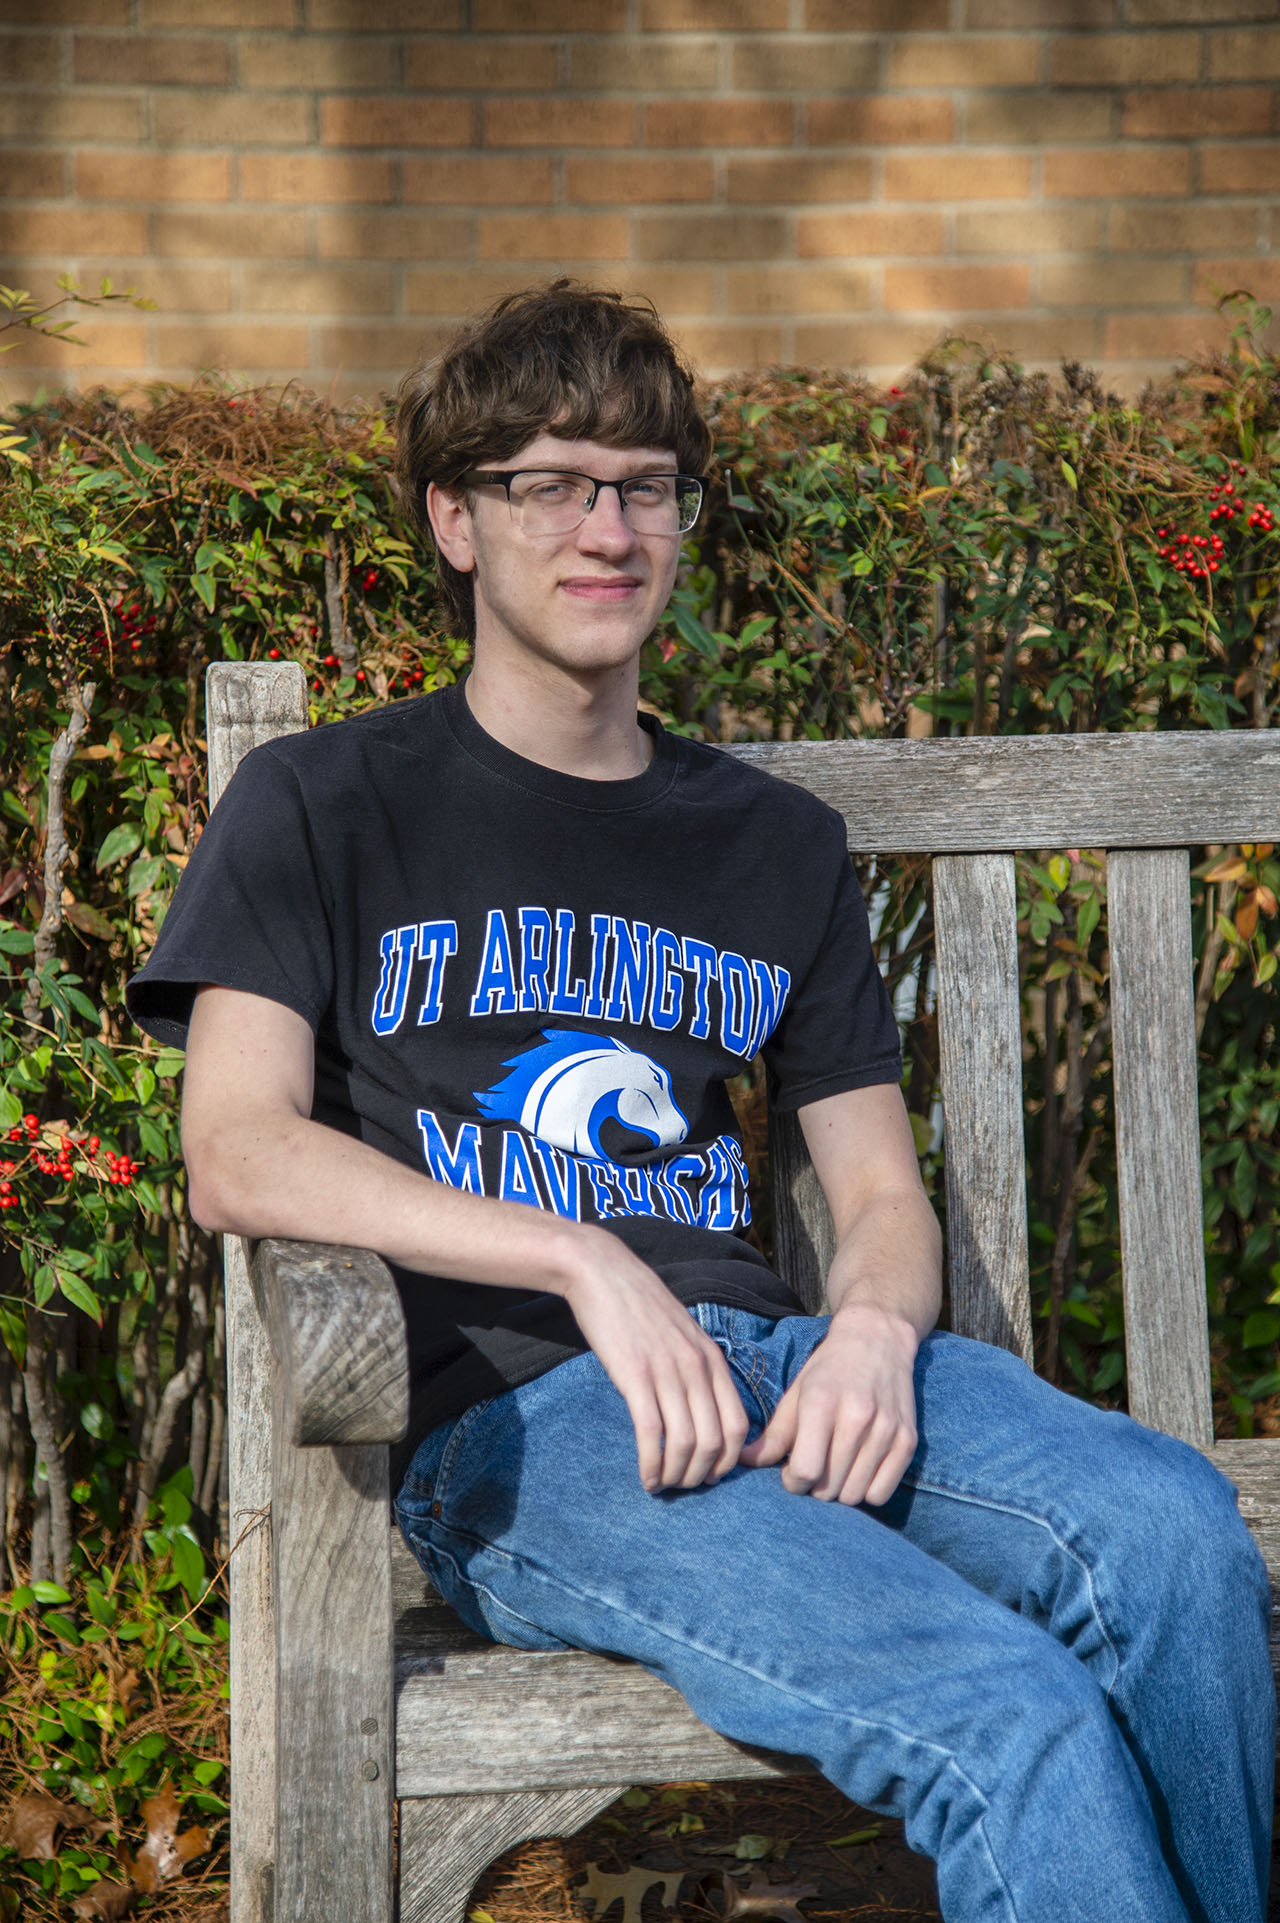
(889, 1257)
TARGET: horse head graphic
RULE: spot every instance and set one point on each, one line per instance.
(567, 1088)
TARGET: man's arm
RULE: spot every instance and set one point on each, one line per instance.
(846, 1427)
(258, 1165)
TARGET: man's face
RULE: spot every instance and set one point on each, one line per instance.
(585, 600)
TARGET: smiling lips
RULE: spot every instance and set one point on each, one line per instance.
(606, 588)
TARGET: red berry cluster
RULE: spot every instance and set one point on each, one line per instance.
(117, 1170)
(135, 628)
(1199, 555)
(370, 580)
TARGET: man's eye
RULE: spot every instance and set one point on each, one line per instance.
(650, 487)
(552, 489)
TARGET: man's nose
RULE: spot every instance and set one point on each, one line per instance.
(605, 523)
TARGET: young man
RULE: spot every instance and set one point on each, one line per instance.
(464, 979)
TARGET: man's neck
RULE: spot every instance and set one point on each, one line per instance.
(577, 726)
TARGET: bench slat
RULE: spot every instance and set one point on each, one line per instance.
(803, 1237)
(1158, 1141)
(1040, 791)
(980, 1043)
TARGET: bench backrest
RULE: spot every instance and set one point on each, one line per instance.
(970, 804)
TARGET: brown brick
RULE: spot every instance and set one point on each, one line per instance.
(1186, 227)
(966, 60)
(877, 16)
(39, 176)
(557, 123)
(800, 178)
(1111, 173)
(1000, 119)
(631, 180)
(804, 66)
(314, 60)
(1037, 341)
(1250, 53)
(708, 236)
(383, 349)
(393, 16)
(463, 64)
(31, 119)
(1213, 278)
(67, 13)
(200, 119)
(548, 16)
(393, 236)
(1155, 337)
(715, 16)
(189, 290)
(722, 348)
(782, 289)
(922, 290)
(222, 13)
(865, 233)
(1187, 13)
(1122, 59)
(350, 289)
(231, 235)
(633, 64)
(551, 237)
(439, 290)
(252, 347)
(891, 345)
(393, 121)
(956, 176)
(113, 344)
(1106, 281)
(151, 60)
(314, 179)
(1021, 230)
(719, 123)
(1240, 169)
(1027, 15)
(1191, 112)
(150, 176)
(875, 120)
(50, 231)
(29, 59)
(676, 290)
(482, 180)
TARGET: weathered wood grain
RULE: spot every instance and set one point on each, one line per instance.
(247, 703)
(1040, 791)
(1158, 1140)
(244, 706)
(447, 1842)
(335, 1323)
(335, 1707)
(803, 1238)
(980, 1043)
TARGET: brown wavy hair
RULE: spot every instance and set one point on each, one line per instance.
(584, 362)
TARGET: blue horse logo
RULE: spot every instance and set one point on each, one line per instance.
(567, 1088)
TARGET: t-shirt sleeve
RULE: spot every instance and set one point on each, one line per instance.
(250, 912)
(838, 1030)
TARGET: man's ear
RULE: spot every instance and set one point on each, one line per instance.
(450, 519)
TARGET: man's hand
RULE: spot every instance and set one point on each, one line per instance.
(684, 1404)
(846, 1428)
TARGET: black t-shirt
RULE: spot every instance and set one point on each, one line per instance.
(530, 985)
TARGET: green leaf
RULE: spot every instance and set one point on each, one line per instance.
(49, 1592)
(188, 1563)
(1069, 476)
(205, 587)
(79, 1292)
(62, 1627)
(10, 1109)
(855, 1836)
(1267, 967)
(16, 941)
(1260, 1329)
(122, 841)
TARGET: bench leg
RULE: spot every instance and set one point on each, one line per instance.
(448, 1842)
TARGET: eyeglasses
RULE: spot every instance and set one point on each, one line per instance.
(546, 501)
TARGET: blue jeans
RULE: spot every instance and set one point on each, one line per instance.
(1047, 1654)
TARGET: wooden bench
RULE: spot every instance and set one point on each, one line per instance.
(352, 1686)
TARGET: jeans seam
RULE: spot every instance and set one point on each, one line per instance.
(1069, 1549)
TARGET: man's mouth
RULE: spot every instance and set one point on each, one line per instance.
(602, 588)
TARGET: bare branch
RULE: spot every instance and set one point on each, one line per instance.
(56, 850)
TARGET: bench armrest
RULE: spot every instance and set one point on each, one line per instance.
(336, 1328)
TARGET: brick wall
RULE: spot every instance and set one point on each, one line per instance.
(305, 193)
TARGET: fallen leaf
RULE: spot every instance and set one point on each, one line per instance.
(777, 1900)
(602, 1889)
(165, 1851)
(855, 1836)
(34, 1822)
(104, 1900)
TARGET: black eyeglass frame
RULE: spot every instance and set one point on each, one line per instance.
(503, 477)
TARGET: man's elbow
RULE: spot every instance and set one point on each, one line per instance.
(212, 1197)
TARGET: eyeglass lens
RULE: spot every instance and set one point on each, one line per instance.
(552, 502)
